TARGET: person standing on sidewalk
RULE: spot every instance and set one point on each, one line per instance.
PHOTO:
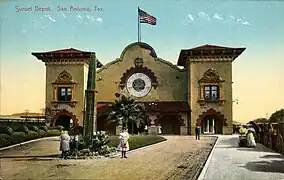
(64, 144)
(197, 132)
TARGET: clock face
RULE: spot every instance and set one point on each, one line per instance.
(138, 85)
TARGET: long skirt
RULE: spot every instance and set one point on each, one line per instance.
(251, 143)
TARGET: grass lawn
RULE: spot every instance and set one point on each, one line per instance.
(137, 141)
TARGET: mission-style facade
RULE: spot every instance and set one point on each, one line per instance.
(196, 91)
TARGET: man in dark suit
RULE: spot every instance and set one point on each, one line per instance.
(197, 132)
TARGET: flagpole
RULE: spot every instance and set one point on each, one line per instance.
(139, 26)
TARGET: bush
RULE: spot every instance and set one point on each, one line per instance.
(60, 128)
(18, 137)
(45, 128)
(8, 130)
(34, 128)
(137, 141)
(23, 129)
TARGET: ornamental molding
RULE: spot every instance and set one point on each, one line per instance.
(64, 78)
(139, 68)
(211, 76)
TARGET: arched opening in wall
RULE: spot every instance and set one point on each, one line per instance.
(64, 120)
(211, 124)
(104, 125)
(170, 124)
(132, 128)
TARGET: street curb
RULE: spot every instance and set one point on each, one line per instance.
(205, 167)
(145, 147)
(27, 142)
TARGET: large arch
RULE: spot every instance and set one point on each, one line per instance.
(213, 115)
(64, 113)
(170, 122)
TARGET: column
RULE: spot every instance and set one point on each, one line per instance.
(208, 124)
(220, 92)
(55, 93)
(73, 92)
(213, 126)
(201, 92)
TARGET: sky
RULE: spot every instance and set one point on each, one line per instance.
(110, 26)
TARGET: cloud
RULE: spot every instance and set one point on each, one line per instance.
(100, 20)
(50, 18)
(217, 16)
(64, 16)
(90, 18)
(190, 17)
(246, 23)
(80, 19)
(203, 15)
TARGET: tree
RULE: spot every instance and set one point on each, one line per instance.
(261, 120)
(277, 116)
(125, 110)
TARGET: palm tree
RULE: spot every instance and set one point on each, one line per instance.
(125, 110)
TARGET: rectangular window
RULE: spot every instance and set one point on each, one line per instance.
(64, 94)
(211, 93)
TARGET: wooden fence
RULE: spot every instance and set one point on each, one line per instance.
(271, 136)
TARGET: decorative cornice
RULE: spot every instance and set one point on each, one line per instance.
(138, 69)
(212, 58)
(211, 76)
(64, 78)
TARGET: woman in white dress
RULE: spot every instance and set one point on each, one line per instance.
(123, 145)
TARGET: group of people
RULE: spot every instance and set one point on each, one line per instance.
(249, 136)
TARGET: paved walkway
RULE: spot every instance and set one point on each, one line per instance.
(229, 162)
(179, 156)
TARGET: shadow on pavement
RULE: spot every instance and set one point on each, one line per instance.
(259, 148)
(273, 156)
(274, 166)
(34, 156)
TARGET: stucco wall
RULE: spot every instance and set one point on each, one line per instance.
(224, 69)
(171, 80)
(77, 73)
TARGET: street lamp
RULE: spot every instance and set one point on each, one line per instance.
(236, 101)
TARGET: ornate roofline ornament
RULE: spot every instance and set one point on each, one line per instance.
(139, 68)
(211, 76)
(64, 78)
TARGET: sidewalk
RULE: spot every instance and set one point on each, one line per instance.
(229, 162)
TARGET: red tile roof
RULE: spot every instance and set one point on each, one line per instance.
(70, 50)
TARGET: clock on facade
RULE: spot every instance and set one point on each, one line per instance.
(138, 85)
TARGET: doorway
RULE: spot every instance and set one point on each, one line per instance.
(64, 120)
(170, 125)
(211, 125)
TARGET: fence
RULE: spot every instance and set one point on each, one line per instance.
(14, 123)
(271, 136)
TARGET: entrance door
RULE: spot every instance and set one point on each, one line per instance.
(170, 125)
(64, 121)
(211, 125)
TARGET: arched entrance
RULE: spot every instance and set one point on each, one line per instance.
(62, 118)
(64, 121)
(211, 122)
(170, 124)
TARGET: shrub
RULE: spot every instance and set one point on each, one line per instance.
(45, 128)
(4, 142)
(18, 137)
(34, 128)
(54, 132)
(42, 133)
(137, 141)
(8, 130)
(32, 135)
(23, 129)
(60, 128)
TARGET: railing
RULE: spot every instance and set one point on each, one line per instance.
(271, 136)
(10, 121)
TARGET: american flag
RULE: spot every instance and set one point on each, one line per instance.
(146, 18)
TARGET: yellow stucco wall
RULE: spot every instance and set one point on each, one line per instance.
(197, 70)
(77, 71)
(169, 87)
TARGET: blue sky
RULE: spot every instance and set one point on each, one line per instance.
(256, 25)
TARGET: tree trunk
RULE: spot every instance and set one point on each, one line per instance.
(132, 128)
